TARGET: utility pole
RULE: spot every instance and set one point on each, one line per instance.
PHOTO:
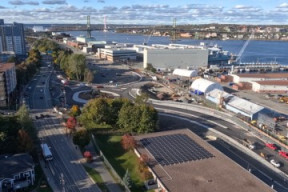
(62, 182)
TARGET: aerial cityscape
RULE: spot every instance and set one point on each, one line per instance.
(132, 96)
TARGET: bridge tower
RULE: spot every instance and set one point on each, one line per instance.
(174, 30)
(105, 26)
(88, 27)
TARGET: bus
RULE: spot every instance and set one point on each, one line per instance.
(46, 152)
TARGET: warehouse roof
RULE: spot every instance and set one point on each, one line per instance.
(16, 163)
(244, 105)
(185, 72)
(205, 85)
(275, 82)
(216, 93)
(263, 75)
(218, 173)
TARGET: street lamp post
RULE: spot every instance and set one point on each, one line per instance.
(64, 93)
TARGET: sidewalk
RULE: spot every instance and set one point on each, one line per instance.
(99, 166)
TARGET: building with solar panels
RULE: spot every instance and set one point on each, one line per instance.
(182, 161)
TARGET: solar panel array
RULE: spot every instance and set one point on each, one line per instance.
(175, 149)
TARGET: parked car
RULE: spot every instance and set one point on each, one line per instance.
(283, 154)
(99, 86)
(275, 163)
(271, 146)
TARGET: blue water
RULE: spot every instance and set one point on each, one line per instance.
(256, 51)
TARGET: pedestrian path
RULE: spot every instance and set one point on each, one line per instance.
(99, 166)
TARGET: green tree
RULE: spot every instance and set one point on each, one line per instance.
(81, 138)
(115, 107)
(77, 65)
(148, 120)
(141, 99)
(96, 112)
(129, 117)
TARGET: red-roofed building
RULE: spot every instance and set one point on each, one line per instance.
(276, 86)
(7, 82)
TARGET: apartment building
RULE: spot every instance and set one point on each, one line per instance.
(7, 82)
(12, 38)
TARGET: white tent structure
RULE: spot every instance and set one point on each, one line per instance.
(185, 73)
(204, 86)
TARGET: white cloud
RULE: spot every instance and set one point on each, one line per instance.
(283, 5)
(20, 2)
(54, 2)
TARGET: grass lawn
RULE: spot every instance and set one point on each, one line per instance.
(97, 178)
(121, 160)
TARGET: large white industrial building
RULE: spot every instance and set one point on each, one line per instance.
(235, 104)
(204, 86)
(175, 58)
(280, 86)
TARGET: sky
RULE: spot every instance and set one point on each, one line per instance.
(145, 11)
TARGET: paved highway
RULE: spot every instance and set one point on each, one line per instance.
(65, 166)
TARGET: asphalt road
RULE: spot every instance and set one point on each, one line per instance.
(66, 160)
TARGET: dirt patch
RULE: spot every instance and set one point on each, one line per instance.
(94, 94)
(158, 91)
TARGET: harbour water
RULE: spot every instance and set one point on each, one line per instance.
(256, 51)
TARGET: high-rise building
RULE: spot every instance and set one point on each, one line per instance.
(12, 38)
(7, 82)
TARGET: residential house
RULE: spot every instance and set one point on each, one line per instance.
(17, 172)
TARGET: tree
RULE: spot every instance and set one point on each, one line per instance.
(71, 124)
(25, 121)
(141, 99)
(115, 107)
(148, 120)
(25, 143)
(96, 112)
(23, 115)
(128, 142)
(75, 111)
(81, 138)
(77, 64)
(151, 68)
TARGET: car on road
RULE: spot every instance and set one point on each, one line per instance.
(271, 146)
(99, 86)
(283, 154)
(275, 163)
(41, 90)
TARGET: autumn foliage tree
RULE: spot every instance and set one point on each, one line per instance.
(25, 143)
(71, 123)
(75, 111)
(143, 168)
(128, 142)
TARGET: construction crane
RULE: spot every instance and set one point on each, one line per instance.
(88, 27)
(244, 46)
